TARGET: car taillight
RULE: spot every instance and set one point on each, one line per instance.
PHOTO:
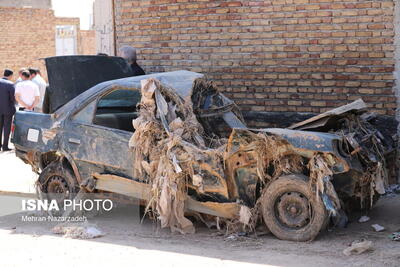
(12, 128)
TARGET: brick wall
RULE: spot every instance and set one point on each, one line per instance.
(280, 55)
(68, 21)
(88, 42)
(26, 36)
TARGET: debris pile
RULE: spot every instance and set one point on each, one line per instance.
(358, 247)
(395, 236)
(174, 154)
(378, 227)
(367, 141)
(393, 189)
(320, 176)
(78, 231)
(171, 153)
(363, 141)
(178, 151)
(363, 219)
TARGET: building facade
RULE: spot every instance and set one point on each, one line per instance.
(30, 31)
(280, 55)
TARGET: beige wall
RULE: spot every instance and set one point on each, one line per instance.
(104, 27)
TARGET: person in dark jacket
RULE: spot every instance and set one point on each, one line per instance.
(129, 54)
(7, 108)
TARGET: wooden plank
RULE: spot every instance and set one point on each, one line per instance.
(123, 186)
(223, 210)
(127, 187)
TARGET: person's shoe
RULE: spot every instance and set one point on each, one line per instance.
(6, 149)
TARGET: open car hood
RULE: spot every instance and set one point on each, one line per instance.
(70, 76)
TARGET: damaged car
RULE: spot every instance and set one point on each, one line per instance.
(175, 142)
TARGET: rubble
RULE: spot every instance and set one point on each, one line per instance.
(363, 219)
(378, 228)
(393, 189)
(358, 247)
(78, 231)
(395, 236)
(353, 123)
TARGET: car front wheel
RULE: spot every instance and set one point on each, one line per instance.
(291, 210)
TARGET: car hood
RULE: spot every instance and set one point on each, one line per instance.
(69, 76)
(312, 141)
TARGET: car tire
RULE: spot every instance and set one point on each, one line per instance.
(291, 211)
(58, 182)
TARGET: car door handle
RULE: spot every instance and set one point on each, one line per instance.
(74, 141)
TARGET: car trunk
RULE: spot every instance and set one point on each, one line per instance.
(70, 76)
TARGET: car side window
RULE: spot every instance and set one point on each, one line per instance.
(117, 109)
(85, 115)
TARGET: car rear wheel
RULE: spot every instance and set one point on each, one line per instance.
(58, 182)
(291, 210)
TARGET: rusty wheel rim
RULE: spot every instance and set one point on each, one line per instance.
(293, 210)
(57, 188)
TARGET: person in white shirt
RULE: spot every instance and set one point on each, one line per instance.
(20, 76)
(41, 83)
(27, 93)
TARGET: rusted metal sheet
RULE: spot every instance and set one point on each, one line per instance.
(330, 117)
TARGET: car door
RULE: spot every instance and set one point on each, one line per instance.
(97, 145)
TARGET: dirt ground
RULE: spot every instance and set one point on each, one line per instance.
(127, 241)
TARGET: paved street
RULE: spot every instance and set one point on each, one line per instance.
(15, 175)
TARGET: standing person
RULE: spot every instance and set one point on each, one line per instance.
(20, 75)
(7, 108)
(41, 83)
(27, 93)
(129, 54)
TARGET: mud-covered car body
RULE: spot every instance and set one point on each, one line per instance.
(70, 132)
(75, 132)
(89, 135)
